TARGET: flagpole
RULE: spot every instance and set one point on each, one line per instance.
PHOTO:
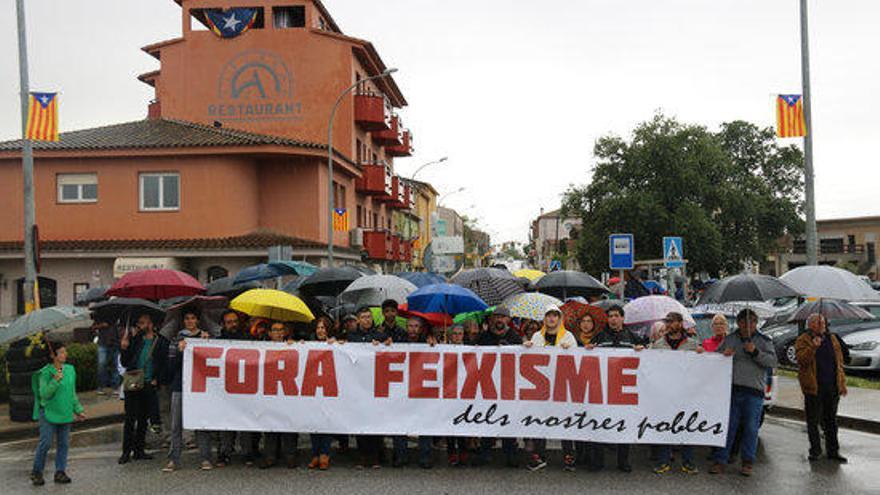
(27, 162)
(809, 187)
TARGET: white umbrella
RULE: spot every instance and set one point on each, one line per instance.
(830, 283)
(648, 309)
(371, 290)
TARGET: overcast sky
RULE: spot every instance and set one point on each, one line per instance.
(516, 92)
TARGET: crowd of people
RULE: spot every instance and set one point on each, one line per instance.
(153, 377)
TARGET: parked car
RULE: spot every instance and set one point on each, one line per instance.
(864, 350)
(784, 335)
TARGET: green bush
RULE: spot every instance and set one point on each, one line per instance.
(84, 357)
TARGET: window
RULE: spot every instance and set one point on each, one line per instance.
(289, 17)
(375, 223)
(339, 196)
(77, 188)
(79, 289)
(217, 272)
(359, 154)
(159, 191)
(360, 213)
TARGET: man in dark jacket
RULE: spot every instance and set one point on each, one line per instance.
(500, 333)
(389, 325)
(142, 349)
(233, 328)
(416, 333)
(820, 358)
(108, 352)
(614, 336)
(370, 447)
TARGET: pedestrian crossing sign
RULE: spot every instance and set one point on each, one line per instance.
(673, 254)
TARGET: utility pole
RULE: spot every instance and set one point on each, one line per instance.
(809, 187)
(27, 162)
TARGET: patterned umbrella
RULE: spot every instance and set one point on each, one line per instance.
(573, 311)
(529, 305)
(372, 290)
(492, 285)
(649, 309)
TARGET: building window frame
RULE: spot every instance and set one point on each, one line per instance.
(81, 183)
(161, 191)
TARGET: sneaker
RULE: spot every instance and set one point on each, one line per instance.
(662, 469)
(746, 469)
(123, 459)
(536, 463)
(716, 468)
(170, 467)
(323, 462)
(688, 468)
(222, 461)
(837, 457)
(314, 463)
(568, 463)
(37, 479)
(206, 466)
(100, 391)
(62, 478)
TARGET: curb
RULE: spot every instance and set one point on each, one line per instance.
(30, 430)
(858, 424)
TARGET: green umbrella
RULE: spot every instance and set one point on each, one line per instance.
(474, 315)
(378, 318)
(57, 319)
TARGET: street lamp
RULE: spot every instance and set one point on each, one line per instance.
(440, 202)
(330, 198)
(425, 165)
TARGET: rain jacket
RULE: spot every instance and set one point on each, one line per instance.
(711, 344)
(511, 337)
(688, 344)
(57, 399)
(174, 377)
(806, 360)
(129, 357)
(563, 336)
(360, 336)
(750, 370)
(610, 338)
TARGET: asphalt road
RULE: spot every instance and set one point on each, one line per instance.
(781, 469)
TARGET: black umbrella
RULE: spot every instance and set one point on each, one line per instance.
(209, 309)
(492, 285)
(328, 281)
(126, 310)
(568, 283)
(95, 294)
(365, 270)
(227, 287)
(831, 309)
(746, 287)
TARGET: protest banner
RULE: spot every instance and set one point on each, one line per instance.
(603, 395)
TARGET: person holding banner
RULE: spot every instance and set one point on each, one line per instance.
(279, 445)
(234, 329)
(552, 333)
(457, 450)
(416, 333)
(499, 334)
(321, 441)
(389, 324)
(175, 372)
(614, 336)
(675, 339)
(370, 447)
(753, 356)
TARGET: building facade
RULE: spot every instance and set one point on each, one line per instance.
(553, 236)
(843, 242)
(231, 160)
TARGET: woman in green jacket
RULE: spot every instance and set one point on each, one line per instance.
(55, 407)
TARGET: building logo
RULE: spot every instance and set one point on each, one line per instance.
(255, 85)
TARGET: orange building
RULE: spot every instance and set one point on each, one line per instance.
(231, 160)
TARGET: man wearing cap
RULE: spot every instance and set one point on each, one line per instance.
(675, 339)
(753, 357)
(552, 333)
(500, 333)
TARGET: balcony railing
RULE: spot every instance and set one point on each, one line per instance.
(378, 244)
(800, 247)
(403, 149)
(372, 112)
(376, 180)
(392, 136)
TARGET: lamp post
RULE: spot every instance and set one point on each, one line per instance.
(809, 178)
(330, 198)
(425, 165)
(440, 202)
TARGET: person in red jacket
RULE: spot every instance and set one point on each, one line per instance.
(720, 328)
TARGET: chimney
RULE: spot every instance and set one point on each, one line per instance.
(154, 110)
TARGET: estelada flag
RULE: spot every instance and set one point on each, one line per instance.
(232, 22)
(42, 123)
(790, 120)
(340, 219)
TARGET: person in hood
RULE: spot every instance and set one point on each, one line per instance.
(55, 407)
(552, 333)
(675, 339)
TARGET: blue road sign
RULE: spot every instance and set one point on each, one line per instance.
(673, 252)
(621, 251)
(555, 266)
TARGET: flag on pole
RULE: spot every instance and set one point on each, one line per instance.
(790, 116)
(340, 219)
(42, 123)
(232, 22)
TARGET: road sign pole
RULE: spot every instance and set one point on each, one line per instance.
(622, 289)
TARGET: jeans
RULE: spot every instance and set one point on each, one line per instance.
(822, 408)
(62, 436)
(108, 374)
(137, 408)
(745, 414)
(664, 454)
(320, 444)
(203, 438)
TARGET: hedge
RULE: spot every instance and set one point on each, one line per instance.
(83, 357)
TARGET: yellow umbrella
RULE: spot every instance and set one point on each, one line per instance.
(272, 304)
(528, 273)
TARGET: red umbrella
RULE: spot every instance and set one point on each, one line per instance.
(572, 311)
(433, 319)
(155, 285)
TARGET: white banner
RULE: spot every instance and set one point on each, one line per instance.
(609, 395)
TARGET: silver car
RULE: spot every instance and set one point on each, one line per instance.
(864, 350)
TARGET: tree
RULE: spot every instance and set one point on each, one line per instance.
(730, 194)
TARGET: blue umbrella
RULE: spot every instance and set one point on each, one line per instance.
(262, 271)
(299, 268)
(421, 279)
(444, 298)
